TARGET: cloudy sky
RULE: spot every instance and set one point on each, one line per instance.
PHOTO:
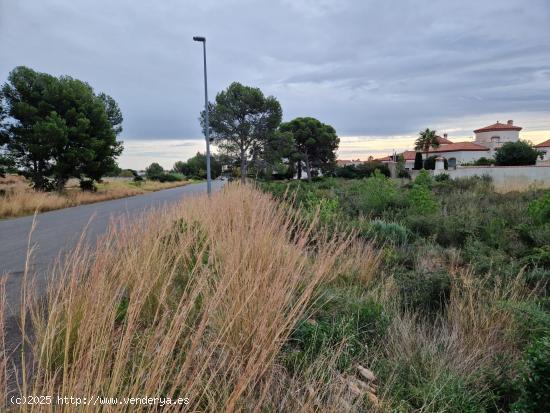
(377, 70)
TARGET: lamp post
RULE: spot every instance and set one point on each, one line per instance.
(207, 128)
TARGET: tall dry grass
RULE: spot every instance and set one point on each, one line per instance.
(194, 301)
(18, 199)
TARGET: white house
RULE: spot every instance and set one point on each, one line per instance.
(487, 140)
(544, 147)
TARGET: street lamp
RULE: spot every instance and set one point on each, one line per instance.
(207, 124)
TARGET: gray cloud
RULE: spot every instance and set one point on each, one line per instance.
(369, 68)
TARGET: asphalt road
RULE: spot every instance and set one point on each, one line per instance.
(58, 231)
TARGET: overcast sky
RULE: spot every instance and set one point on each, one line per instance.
(378, 71)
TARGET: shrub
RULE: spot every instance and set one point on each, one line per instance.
(403, 173)
(421, 225)
(154, 170)
(516, 153)
(540, 209)
(389, 232)
(126, 173)
(87, 185)
(534, 381)
(425, 292)
(344, 316)
(373, 195)
(168, 178)
(421, 200)
(442, 177)
(424, 178)
(483, 161)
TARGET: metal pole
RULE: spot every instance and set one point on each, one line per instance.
(207, 132)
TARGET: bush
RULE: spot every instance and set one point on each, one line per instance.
(88, 185)
(345, 315)
(516, 153)
(442, 177)
(387, 232)
(379, 192)
(153, 171)
(425, 292)
(483, 161)
(534, 382)
(421, 200)
(126, 173)
(403, 173)
(540, 209)
(168, 178)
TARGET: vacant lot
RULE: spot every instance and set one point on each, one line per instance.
(359, 295)
(17, 198)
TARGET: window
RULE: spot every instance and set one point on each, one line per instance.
(495, 139)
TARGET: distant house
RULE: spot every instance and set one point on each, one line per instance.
(487, 140)
(545, 148)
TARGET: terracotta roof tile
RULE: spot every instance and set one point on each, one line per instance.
(459, 146)
(545, 144)
(497, 127)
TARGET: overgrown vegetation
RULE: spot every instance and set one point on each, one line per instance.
(343, 295)
(460, 302)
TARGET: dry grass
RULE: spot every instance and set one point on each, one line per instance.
(19, 199)
(195, 302)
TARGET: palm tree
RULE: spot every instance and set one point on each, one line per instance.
(426, 140)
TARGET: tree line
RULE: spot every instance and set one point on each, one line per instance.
(56, 128)
(247, 127)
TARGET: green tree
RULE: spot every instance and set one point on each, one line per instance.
(58, 128)
(427, 139)
(418, 163)
(315, 143)
(154, 171)
(242, 120)
(516, 153)
(195, 167)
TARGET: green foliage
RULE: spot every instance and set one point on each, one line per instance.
(421, 383)
(424, 178)
(154, 171)
(344, 316)
(427, 139)
(418, 161)
(242, 122)
(539, 209)
(535, 378)
(375, 194)
(195, 167)
(427, 292)
(483, 161)
(387, 232)
(315, 143)
(442, 177)
(421, 200)
(516, 153)
(58, 128)
(363, 170)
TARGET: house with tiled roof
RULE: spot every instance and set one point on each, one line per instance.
(544, 147)
(487, 140)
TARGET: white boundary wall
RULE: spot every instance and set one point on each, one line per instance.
(507, 178)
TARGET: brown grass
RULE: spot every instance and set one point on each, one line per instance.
(19, 199)
(194, 302)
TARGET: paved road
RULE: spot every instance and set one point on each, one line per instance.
(59, 230)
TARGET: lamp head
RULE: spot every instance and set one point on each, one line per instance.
(199, 38)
